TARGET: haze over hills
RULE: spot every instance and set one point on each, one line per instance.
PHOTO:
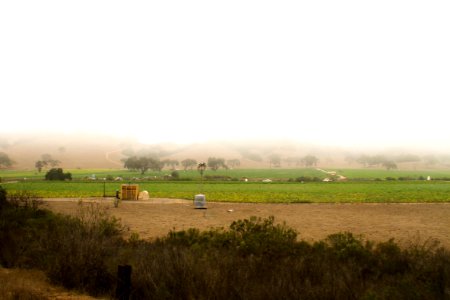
(103, 151)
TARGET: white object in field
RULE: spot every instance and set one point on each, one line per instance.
(143, 195)
(429, 178)
(200, 201)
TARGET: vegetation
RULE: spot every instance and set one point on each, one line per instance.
(143, 163)
(233, 163)
(287, 185)
(57, 174)
(188, 163)
(5, 160)
(46, 160)
(258, 192)
(214, 163)
(309, 160)
(252, 259)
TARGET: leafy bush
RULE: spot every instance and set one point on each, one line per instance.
(77, 252)
(81, 248)
(3, 202)
(57, 174)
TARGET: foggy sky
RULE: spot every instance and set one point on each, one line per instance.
(331, 72)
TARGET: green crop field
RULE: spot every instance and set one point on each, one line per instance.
(235, 174)
(363, 185)
(358, 192)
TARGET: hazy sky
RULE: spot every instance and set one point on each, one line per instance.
(339, 72)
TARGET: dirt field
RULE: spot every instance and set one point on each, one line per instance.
(404, 222)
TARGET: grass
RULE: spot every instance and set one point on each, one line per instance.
(257, 192)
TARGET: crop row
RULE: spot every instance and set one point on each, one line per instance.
(358, 192)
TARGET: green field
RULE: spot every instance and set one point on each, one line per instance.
(236, 174)
(374, 191)
(364, 185)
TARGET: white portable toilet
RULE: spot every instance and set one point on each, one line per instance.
(200, 201)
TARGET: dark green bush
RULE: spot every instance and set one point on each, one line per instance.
(57, 174)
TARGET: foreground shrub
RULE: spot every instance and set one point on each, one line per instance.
(252, 259)
(77, 252)
(83, 249)
(258, 259)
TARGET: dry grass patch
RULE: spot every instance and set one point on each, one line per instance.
(32, 285)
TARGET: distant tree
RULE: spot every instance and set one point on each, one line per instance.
(40, 164)
(275, 160)
(156, 164)
(57, 174)
(188, 163)
(143, 164)
(370, 161)
(233, 163)
(5, 161)
(389, 165)
(297, 161)
(309, 160)
(215, 163)
(172, 163)
(49, 160)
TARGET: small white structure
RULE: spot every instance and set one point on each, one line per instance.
(144, 196)
(429, 178)
(200, 201)
(267, 180)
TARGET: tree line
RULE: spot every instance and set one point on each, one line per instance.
(145, 163)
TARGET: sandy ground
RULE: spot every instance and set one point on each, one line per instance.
(404, 222)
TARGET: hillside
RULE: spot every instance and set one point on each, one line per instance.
(99, 151)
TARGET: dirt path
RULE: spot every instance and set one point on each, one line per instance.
(117, 163)
(404, 222)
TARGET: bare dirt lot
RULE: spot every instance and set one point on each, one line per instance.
(379, 222)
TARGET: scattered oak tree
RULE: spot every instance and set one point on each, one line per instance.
(214, 163)
(309, 160)
(172, 163)
(40, 164)
(389, 165)
(188, 163)
(275, 160)
(143, 164)
(233, 163)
